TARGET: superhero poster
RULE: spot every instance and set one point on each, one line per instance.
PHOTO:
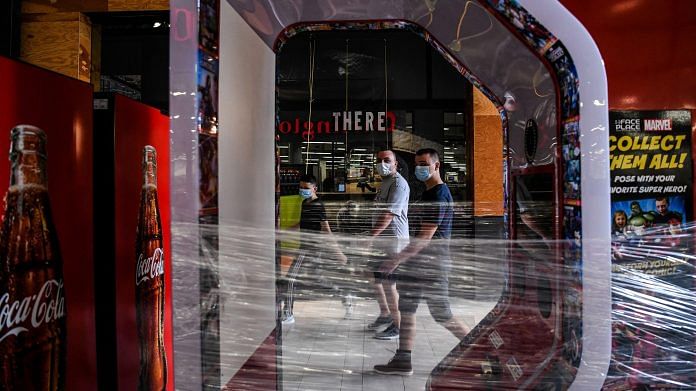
(652, 247)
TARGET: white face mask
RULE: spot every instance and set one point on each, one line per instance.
(384, 169)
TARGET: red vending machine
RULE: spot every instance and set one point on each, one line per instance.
(132, 213)
(47, 338)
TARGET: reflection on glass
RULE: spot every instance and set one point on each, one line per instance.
(351, 202)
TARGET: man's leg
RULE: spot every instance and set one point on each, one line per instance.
(392, 299)
(347, 289)
(407, 335)
(384, 317)
(411, 293)
(392, 295)
(380, 295)
(289, 286)
(457, 327)
(400, 364)
(437, 297)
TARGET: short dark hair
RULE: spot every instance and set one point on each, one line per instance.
(661, 198)
(309, 179)
(429, 151)
(385, 148)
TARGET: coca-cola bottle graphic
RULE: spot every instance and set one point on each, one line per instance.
(32, 304)
(149, 281)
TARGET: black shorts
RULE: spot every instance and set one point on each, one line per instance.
(381, 277)
(431, 287)
(378, 275)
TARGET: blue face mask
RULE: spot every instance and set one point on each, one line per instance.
(305, 193)
(423, 173)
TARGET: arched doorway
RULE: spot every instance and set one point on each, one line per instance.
(444, 22)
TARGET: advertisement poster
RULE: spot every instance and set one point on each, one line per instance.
(47, 300)
(142, 207)
(652, 247)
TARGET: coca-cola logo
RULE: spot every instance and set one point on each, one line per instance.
(32, 311)
(149, 267)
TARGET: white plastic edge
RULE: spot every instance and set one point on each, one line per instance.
(594, 144)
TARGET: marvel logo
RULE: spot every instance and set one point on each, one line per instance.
(657, 124)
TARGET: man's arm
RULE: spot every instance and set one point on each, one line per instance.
(425, 234)
(382, 223)
(326, 228)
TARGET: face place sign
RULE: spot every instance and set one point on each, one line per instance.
(341, 121)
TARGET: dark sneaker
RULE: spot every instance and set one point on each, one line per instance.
(391, 332)
(379, 322)
(398, 365)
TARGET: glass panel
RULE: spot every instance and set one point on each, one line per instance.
(338, 149)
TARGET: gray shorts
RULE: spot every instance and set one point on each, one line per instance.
(384, 249)
(431, 287)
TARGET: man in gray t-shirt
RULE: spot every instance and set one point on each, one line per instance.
(392, 198)
(390, 233)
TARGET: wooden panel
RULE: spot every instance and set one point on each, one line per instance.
(30, 7)
(138, 5)
(50, 6)
(488, 158)
(96, 57)
(483, 105)
(59, 41)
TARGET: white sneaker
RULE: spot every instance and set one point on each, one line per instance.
(288, 319)
(348, 303)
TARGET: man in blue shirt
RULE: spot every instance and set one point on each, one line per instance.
(424, 265)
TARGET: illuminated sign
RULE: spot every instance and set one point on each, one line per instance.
(341, 121)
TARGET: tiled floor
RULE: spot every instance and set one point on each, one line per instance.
(322, 351)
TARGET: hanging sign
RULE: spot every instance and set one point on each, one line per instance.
(340, 121)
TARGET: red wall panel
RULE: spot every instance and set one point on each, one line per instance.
(62, 107)
(648, 51)
(137, 125)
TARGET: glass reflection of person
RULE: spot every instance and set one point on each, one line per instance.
(350, 223)
(364, 181)
(206, 106)
(424, 265)
(534, 214)
(313, 220)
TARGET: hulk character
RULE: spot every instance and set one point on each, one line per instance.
(639, 220)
